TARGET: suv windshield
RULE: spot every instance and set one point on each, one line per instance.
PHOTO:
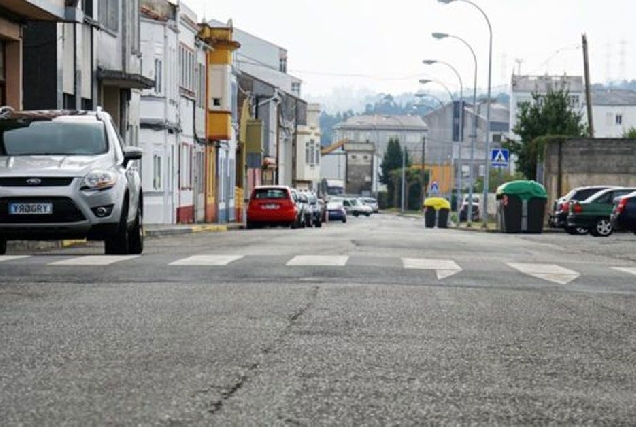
(29, 138)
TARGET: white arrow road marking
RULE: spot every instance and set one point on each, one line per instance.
(549, 272)
(322, 260)
(4, 258)
(443, 268)
(630, 270)
(207, 260)
(95, 260)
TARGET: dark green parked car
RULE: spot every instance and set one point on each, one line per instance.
(594, 212)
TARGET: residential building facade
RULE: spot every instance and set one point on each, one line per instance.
(308, 150)
(410, 131)
(523, 87)
(16, 18)
(613, 112)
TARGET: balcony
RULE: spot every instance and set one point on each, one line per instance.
(39, 10)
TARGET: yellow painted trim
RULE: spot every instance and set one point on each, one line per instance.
(210, 227)
(68, 243)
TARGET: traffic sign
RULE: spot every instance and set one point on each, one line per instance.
(499, 157)
(434, 187)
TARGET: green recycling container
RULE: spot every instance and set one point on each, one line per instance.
(521, 206)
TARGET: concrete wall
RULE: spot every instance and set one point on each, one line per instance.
(580, 162)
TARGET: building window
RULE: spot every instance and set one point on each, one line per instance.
(295, 87)
(619, 119)
(186, 170)
(283, 64)
(573, 101)
(309, 156)
(158, 76)
(317, 154)
(156, 173)
(109, 14)
(201, 91)
(186, 58)
(87, 7)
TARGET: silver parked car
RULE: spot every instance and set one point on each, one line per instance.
(67, 175)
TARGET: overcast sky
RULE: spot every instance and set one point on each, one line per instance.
(380, 45)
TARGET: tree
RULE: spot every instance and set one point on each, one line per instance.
(630, 133)
(391, 162)
(548, 114)
(497, 177)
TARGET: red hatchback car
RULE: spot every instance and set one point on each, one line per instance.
(272, 205)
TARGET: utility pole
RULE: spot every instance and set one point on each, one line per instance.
(423, 172)
(588, 93)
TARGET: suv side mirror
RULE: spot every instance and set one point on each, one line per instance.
(132, 153)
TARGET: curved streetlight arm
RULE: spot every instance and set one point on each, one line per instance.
(421, 95)
(450, 94)
(473, 136)
(488, 102)
(449, 65)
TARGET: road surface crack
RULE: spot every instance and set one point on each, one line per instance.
(227, 394)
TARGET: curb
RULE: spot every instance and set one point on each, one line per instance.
(41, 245)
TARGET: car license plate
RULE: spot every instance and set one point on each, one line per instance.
(270, 206)
(30, 208)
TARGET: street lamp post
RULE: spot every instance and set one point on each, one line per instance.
(450, 94)
(461, 127)
(473, 136)
(487, 141)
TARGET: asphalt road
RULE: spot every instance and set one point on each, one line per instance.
(378, 321)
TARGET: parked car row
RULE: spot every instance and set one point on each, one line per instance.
(278, 205)
(597, 210)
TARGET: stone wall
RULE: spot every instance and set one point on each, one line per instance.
(580, 162)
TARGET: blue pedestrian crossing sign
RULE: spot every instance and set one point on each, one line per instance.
(499, 157)
(434, 188)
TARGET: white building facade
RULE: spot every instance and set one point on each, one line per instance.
(172, 114)
(523, 88)
(308, 149)
(613, 112)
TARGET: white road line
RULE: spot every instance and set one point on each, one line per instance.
(630, 270)
(95, 260)
(4, 258)
(318, 260)
(550, 272)
(207, 260)
(443, 268)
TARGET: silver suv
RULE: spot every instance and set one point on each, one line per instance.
(67, 175)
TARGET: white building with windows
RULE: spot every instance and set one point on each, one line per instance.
(523, 88)
(408, 130)
(613, 112)
(172, 114)
(308, 149)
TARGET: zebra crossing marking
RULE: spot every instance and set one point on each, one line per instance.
(550, 272)
(207, 260)
(318, 260)
(630, 270)
(443, 268)
(4, 258)
(94, 260)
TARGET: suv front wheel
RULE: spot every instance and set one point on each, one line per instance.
(128, 239)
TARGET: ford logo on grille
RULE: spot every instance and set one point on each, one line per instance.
(34, 181)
